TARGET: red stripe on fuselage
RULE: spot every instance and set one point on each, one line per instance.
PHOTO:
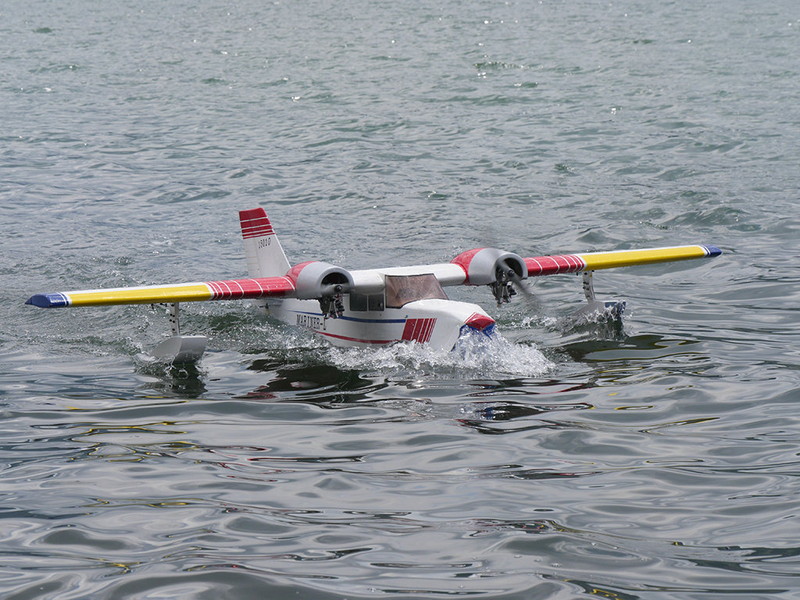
(352, 339)
(418, 330)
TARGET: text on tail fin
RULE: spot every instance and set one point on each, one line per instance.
(265, 256)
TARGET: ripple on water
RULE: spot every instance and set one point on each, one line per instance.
(649, 459)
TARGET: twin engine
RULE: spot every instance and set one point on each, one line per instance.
(493, 267)
(324, 282)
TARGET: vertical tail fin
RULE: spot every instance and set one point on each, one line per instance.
(265, 256)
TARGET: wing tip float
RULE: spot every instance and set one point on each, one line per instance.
(370, 317)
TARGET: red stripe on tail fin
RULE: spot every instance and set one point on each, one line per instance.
(255, 223)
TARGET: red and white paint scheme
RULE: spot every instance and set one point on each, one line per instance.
(370, 307)
(376, 307)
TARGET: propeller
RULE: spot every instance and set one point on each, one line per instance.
(330, 302)
(507, 282)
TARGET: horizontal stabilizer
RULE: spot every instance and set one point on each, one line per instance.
(592, 261)
(231, 289)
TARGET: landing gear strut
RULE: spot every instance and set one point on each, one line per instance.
(612, 309)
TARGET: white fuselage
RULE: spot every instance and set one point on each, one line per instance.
(435, 322)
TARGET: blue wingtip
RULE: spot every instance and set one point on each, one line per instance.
(712, 250)
(48, 300)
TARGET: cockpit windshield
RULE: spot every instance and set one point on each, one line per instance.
(402, 289)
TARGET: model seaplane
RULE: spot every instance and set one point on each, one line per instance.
(370, 307)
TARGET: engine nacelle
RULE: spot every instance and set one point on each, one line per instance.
(316, 279)
(481, 265)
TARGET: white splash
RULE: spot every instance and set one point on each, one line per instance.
(474, 357)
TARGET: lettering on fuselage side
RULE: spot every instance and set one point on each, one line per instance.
(310, 321)
(264, 242)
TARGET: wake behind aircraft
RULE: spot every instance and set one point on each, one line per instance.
(368, 307)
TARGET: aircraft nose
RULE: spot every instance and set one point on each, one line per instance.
(480, 322)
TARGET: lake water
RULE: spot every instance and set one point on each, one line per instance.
(657, 459)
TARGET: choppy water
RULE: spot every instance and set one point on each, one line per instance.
(657, 460)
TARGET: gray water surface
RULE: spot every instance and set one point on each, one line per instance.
(654, 459)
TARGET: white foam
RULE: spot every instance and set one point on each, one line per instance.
(475, 357)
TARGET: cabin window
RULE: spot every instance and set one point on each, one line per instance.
(402, 289)
(363, 302)
(375, 302)
(358, 302)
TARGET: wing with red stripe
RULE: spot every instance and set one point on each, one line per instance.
(591, 261)
(229, 289)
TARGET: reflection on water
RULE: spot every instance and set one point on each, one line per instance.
(182, 380)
